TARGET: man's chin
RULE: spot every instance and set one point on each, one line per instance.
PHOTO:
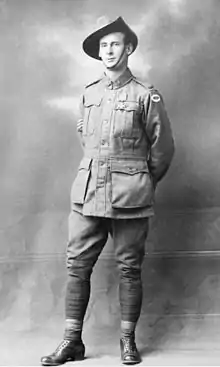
(110, 67)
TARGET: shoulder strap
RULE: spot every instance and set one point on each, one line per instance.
(93, 83)
(146, 85)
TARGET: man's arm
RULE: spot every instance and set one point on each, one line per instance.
(80, 120)
(159, 133)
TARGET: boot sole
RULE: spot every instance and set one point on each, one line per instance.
(78, 357)
(131, 362)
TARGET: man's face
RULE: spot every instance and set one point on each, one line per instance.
(113, 51)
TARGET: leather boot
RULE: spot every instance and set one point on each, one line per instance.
(67, 350)
(129, 352)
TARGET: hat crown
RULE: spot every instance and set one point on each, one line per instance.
(103, 21)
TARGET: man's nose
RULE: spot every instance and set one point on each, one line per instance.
(109, 49)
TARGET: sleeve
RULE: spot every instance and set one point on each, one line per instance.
(159, 134)
(80, 120)
(81, 106)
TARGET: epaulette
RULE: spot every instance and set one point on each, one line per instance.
(154, 94)
(92, 83)
(146, 85)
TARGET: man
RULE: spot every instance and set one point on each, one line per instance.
(128, 148)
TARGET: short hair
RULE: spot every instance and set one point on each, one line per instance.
(127, 39)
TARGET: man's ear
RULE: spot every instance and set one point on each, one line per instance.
(129, 48)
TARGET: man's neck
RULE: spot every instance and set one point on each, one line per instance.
(115, 74)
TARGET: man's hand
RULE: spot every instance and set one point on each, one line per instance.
(80, 125)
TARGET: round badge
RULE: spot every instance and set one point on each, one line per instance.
(155, 98)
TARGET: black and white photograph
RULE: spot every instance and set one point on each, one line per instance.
(109, 183)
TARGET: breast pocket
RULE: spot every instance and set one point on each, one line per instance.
(91, 114)
(127, 119)
(80, 184)
(131, 185)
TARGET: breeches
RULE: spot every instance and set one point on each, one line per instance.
(87, 238)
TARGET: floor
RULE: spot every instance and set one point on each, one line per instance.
(26, 349)
(179, 324)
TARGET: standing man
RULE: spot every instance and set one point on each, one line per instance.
(128, 148)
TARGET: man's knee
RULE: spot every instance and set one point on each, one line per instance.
(129, 272)
(79, 269)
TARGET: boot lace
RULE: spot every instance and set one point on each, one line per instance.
(129, 345)
(60, 347)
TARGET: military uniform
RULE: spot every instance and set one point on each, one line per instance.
(128, 147)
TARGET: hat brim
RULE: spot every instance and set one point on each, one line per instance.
(91, 43)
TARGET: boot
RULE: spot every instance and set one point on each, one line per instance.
(67, 350)
(129, 352)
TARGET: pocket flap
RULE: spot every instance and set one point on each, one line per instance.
(92, 101)
(127, 105)
(131, 185)
(130, 168)
(85, 163)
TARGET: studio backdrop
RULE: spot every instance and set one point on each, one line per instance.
(43, 71)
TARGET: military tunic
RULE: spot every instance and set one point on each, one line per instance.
(128, 147)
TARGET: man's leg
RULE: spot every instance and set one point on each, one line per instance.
(129, 240)
(87, 237)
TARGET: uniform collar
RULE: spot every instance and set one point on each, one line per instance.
(120, 82)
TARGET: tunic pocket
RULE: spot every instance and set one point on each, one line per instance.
(91, 114)
(131, 185)
(80, 184)
(127, 117)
